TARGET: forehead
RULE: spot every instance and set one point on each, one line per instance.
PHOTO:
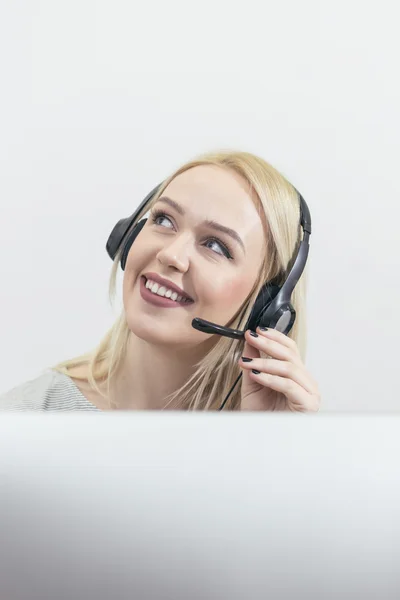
(208, 192)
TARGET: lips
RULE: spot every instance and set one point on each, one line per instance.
(161, 301)
(168, 284)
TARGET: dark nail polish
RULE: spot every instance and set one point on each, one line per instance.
(255, 372)
(253, 333)
(263, 328)
(246, 359)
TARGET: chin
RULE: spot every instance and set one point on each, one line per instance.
(164, 333)
(163, 327)
(154, 331)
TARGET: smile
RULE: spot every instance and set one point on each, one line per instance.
(160, 295)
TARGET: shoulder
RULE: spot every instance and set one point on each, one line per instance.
(49, 391)
(30, 394)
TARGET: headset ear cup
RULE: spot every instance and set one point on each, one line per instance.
(264, 299)
(129, 241)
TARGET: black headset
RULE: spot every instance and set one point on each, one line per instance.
(272, 309)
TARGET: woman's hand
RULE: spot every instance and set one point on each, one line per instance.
(278, 383)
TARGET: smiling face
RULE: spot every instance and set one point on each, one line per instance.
(204, 237)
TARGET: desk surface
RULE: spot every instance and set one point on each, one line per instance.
(199, 506)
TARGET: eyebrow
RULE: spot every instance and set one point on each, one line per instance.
(212, 224)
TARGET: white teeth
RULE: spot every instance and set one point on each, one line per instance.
(161, 290)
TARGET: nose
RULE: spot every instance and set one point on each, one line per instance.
(175, 254)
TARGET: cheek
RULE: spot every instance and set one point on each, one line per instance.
(229, 293)
(138, 258)
(136, 261)
(129, 276)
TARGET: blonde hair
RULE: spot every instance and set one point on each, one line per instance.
(278, 204)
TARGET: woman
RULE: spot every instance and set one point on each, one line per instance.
(219, 228)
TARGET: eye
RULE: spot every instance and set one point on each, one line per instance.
(217, 246)
(158, 216)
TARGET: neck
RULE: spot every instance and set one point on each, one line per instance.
(150, 373)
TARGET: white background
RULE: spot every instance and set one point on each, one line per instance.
(101, 100)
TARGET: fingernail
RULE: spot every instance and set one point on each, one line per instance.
(255, 372)
(263, 328)
(246, 359)
(253, 333)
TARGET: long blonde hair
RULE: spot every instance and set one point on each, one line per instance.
(278, 204)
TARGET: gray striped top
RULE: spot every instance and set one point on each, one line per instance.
(49, 391)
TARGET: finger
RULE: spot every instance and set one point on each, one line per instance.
(283, 369)
(253, 354)
(278, 336)
(272, 348)
(298, 399)
(250, 351)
